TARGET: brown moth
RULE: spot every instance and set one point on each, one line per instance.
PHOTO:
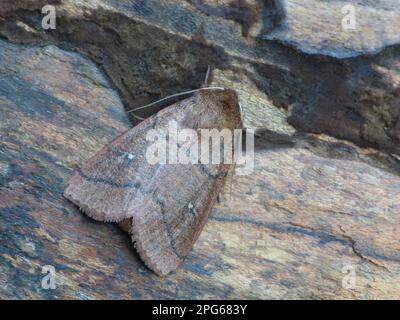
(163, 206)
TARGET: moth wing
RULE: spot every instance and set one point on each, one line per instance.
(167, 204)
(170, 217)
(169, 220)
(107, 183)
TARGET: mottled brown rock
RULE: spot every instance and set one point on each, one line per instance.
(56, 110)
(313, 208)
(353, 98)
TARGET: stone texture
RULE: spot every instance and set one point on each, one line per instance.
(9, 7)
(56, 109)
(315, 26)
(354, 99)
(314, 205)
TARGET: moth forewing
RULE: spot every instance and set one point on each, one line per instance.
(163, 205)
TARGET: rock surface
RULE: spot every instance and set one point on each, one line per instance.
(324, 27)
(314, 210)
(8, 8)
(312, 207)
(354, 99)
(315, 207)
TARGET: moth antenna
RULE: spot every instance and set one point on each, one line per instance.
(175, 95)
(207, 75)
(137, 117)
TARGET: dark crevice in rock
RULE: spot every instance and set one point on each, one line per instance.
(8, 8)
(143, 68)
(350, 99)
(358, 253)
(327, 148)
(291, 227)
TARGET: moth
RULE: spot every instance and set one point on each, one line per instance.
(163, 206)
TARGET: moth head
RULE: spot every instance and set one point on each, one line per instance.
(223, 105)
